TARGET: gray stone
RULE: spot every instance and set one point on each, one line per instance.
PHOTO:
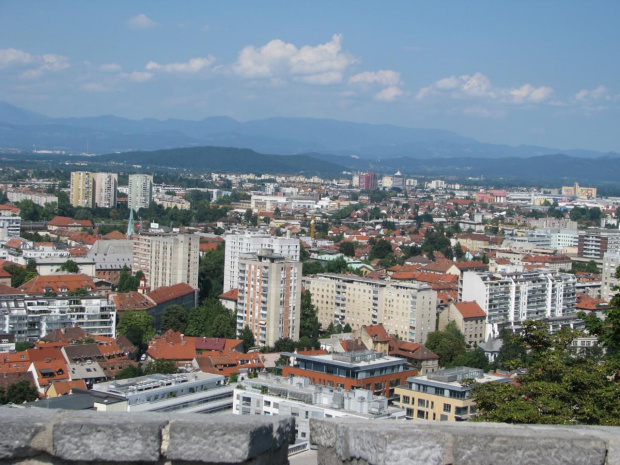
(230, 439)
(25, 433)
(110, 437)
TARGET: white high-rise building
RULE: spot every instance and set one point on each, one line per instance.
(167, 259)
(611, 262)
(269, 300)
(511, 298)
(252, 242)
(140, 191)
(105, 187)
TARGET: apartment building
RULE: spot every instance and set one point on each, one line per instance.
(30, 317)
(594, 242)
(140, 191)
(166, 258)
(611, 262)
(105, 187)
(269, 298)
(40, 198)
(251, 242)
(509, 298)
(404, 309)
(82, 189)
(10, 226)
(441, 396)
(362, 369)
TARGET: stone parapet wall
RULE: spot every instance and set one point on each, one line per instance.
(347, 441)
(38, 436)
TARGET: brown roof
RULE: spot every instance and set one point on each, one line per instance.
(61, 284)
(132, 300)
(471, 264)
(63, 388)
(166, 293)
(171, 346)
(470, 309)
(71, 334)
(114, 235)
(64, 221)
(233, 295)
(210, 343)
(377, 332)
(9, 378)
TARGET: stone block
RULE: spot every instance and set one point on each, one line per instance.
(25, 433)
(230, 439)
(109, 437)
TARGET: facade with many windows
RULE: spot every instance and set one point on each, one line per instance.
(140, 191)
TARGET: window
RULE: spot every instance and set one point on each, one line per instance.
(409, 413)
(421, 403)
(421, 414)
(406, 400)
(447, 408)
(267, 403)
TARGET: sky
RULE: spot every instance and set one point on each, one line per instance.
(522, 72)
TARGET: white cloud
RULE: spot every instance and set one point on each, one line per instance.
(194, 65)
(94, 87)
(138, 76)
(110, 67)
(389, 94)
(12, 56)
(384, 77)
(141, 21)
(478, 86)
(54, 62)
(322, 64)
(601, 93)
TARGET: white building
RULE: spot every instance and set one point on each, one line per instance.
(611, 262)
(511, 298)
(269, 299)
(30, 317)
(10, 226)
(105, 189)
(405, 309)
(140, 191)
(40, 198)
(273, 395)
(252, 242)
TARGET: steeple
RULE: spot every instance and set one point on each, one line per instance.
(130, 230)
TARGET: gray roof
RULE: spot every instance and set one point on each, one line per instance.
(70, 402)
(491, 345)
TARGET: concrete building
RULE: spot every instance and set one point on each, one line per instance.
(594, 243)
(441, 396)
(110, 257)
(140, 191)
(368, 181)
(363, 369)
(269, 298)
(611, 262)
(82, 192)
(469, 318)
(180, 393)
(40, 198)
(273, 395)
(105, 187)
(167, 259)
(30, 317)
(10, 226)
(509, 298)
(404, 309)
(252, 242)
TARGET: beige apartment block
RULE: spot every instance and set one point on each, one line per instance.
(470, 319)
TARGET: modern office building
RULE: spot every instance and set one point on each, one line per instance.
(510, 298)
(167, 258)
(404, 309)
(82, 192)
(274, 395)
(441, 396)
(363, 369)
(251, 242)
(269, 298)
(30, 317)
(180, 393)
(140, 191)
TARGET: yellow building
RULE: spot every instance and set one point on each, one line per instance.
(579, 192)
(442, 395)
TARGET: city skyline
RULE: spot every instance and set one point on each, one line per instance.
(540, 74)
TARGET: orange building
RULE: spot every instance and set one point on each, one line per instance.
(364, 369)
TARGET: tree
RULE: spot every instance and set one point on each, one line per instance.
(137, 326)
(211, 274)
(131, 371)
(18, 393)
(128, 282)
(31, 266)
(513, 353)
(448, 344)
(70, 266)
(559, 387)
(248, 338)
(80, 291)
(175, 318)
(472, 358)
(458, 251)
(380, 250)
(347, 328)
(160, 366)
(309, 325)
(211, 319)
(284, 344)
(311, 267)
(339, 265)
(347, 248)
(18, 274)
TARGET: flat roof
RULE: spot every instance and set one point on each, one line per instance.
(385, 360)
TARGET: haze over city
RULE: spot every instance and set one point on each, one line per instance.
(541, 73)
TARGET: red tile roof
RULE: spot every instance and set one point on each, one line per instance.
(470, 309)
(64, 222)
(166, 293)
(131, 300)
(233, 295)
(377, 332)
(171, 346)
(61, 284)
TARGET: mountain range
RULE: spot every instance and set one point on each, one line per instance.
(26, 130)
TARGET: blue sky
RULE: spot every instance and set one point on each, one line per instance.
(528, 72)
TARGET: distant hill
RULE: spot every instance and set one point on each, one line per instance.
(227, 160)
(26, 130)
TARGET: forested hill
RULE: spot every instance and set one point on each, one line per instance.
(224, 159)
